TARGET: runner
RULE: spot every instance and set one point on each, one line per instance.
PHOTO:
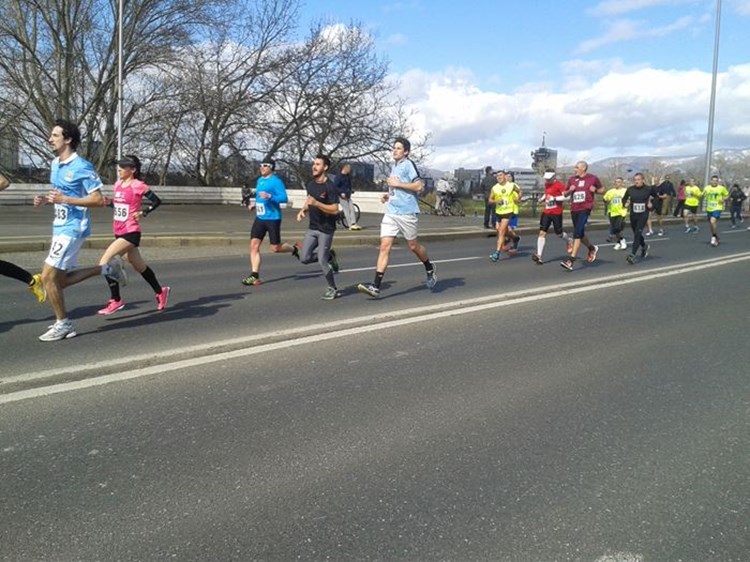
(129, 192)
(664, 192)
(639, 197)
(401, 216)
(270, 194)
(617, 213)
(581, 187)
(75, 188)
(512, 239)
(323, 205)
(715, 196)
(34, 282)
(502, 197)
(693, 196)
(552, 214)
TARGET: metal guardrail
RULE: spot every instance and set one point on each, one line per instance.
(23, 194)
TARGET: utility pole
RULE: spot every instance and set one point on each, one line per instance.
(712, 106)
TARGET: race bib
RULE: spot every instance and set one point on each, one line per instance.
(551, 204)
(502, 202)
(260, 208)
(579, 196)
(712, 205)
(616, 201)
(61, 214)
(121, 212)
(639, 207)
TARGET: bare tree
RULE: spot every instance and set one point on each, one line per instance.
(334, 98)
(59, 60)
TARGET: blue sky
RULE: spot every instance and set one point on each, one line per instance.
(607, 78)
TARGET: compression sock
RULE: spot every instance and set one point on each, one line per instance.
(114, 288)
(150, 277)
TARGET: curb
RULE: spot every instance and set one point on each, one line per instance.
(344, 238)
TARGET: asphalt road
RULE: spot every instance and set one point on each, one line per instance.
(518, 412)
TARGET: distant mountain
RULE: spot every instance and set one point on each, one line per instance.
(634, 164)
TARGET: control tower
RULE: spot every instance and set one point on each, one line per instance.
(543, 158)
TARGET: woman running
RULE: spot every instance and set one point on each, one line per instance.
(126, 224)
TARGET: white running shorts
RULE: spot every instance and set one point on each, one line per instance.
(63, 252)
(392, 225)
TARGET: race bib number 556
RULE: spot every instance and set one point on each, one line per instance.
(121, 212)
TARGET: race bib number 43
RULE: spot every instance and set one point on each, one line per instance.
(61, 214)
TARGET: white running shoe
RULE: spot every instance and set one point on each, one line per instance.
(59, 331)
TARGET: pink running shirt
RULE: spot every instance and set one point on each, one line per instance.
(127, 202)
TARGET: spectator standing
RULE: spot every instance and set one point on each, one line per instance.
(736, 197)
(488, 182)
(343, 183)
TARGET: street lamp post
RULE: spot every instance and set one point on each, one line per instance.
(119, 79)
(712, 106)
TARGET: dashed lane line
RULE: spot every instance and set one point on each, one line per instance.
(122, 370)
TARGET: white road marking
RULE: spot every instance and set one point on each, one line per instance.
(411, 264)
(331, 330)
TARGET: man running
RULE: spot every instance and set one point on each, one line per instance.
(552, 214)
(401, 216)
(512, 237)
(502, 197)
(617, 213)
(33, 282)
(322, 203)
(75, 188)
(693, 196)
(270, 194)
(715, 196)
(664, 192)
(581, 188)
(640, 198)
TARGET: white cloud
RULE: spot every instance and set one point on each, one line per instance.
(397, 39)
(619, 7)
(625, 111)
(627, 30)
(741, 7)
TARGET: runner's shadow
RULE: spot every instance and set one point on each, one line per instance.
(182, 310)
(7, 326)
(442, 285)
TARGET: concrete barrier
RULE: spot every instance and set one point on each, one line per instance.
(23, 194)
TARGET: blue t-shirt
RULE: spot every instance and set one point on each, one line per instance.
(270, 209)
(77, 178)
(401, 201)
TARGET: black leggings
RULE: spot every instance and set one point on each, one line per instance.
(12, 270)
(638, 223)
